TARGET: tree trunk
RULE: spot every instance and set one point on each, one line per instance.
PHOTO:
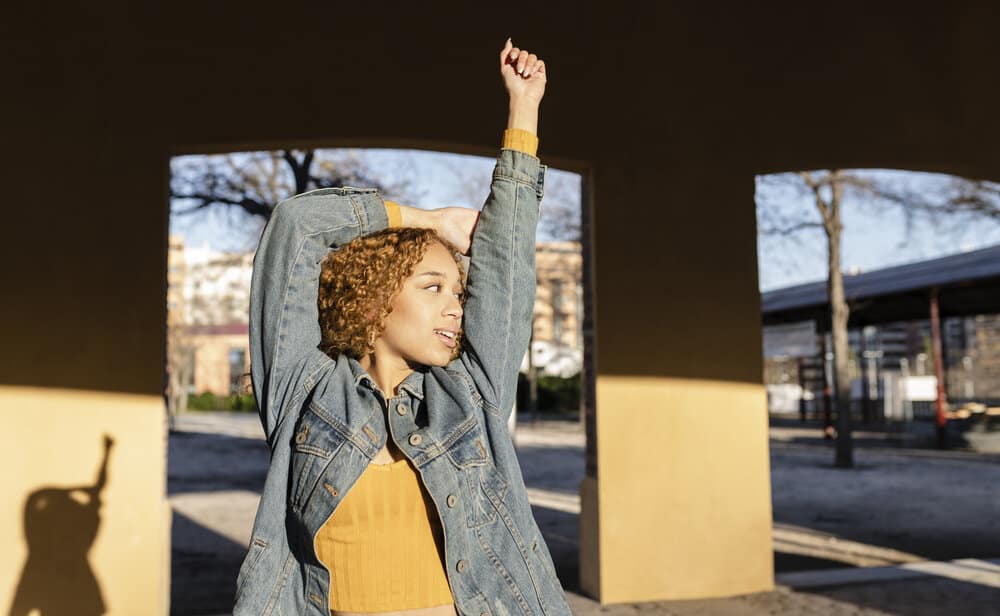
(179, 374)
(300, 169)
(839, 314)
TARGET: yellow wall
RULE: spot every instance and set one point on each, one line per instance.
(683, 481)
(57, 443)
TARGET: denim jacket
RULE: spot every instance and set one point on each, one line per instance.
(324, 420)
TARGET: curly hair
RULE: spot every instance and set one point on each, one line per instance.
(359, 282)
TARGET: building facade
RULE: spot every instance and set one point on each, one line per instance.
(557, 337)
(208, 299)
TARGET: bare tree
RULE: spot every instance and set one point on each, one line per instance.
(829, 207)
(559, 216)
(180, 369)
(959, 199)
(559, 213)
(247, 185)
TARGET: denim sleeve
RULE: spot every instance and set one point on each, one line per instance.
(284, 317)
(500, 288)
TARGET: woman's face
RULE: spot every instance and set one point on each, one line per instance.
(426, 315)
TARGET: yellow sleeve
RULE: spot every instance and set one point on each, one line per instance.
(395, 216)
(521, 140)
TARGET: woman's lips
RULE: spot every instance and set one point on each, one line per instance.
(448, 341)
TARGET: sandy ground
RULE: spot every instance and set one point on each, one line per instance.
(846, 541)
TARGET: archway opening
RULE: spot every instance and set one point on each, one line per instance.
(220, 203)
(914, 259)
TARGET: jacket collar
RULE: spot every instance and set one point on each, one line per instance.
(413, 383)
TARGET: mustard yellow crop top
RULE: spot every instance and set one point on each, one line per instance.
(384, 545)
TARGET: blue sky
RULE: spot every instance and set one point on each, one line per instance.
(875, 235)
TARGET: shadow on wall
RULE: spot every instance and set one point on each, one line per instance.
(60, 525)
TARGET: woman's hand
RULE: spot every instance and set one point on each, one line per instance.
(457, 224)
(523, 75)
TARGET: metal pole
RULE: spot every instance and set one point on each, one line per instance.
(941, 420)
(799, 364)
(865, 385)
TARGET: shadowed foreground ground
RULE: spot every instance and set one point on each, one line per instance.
(844, 540)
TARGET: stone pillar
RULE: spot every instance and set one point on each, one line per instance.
(676, 503)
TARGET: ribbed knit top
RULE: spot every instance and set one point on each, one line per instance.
(384, 544)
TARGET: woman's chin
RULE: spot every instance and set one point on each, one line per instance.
(426, 362)
(444, 360)
(439, 360)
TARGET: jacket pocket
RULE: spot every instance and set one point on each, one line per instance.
(479, 512)
(315, 443)
(470, 455)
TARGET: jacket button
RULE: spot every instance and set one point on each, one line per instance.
(416, 439)
(300, 438)
(460, 566)
(401, 409)
(452, 500)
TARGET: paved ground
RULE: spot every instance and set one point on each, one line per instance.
(846, 542)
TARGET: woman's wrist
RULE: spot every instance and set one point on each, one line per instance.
(416, 217)
(523, 114)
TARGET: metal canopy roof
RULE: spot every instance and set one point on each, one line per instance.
(968, 283)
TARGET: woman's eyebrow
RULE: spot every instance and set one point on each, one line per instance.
(432, 274)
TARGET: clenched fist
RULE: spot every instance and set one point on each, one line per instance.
(523, 73)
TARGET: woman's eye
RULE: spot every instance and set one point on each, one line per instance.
(435, 287)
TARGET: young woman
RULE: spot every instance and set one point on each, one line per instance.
(385, 381)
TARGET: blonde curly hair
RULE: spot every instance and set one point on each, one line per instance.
(359, 282)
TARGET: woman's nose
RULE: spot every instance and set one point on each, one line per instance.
(454, 309)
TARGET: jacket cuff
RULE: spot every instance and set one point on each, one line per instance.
(521, 167)
(373, 212)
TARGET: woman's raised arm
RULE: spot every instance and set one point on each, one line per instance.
(501, 282)
(284, 317)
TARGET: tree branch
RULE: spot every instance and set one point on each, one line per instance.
(251, 206)
(816, 184)
(791, 229)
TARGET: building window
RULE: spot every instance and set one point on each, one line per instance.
(557, 315)
(237, 362)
